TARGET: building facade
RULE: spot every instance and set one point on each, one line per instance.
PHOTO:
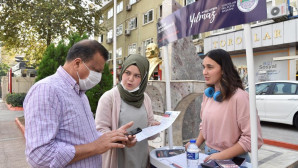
(272, 38)
(136, 26)
(274, 43)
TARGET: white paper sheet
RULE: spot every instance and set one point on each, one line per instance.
(167, 120)
(180, 160)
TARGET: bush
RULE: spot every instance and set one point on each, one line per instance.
(54, 56)
(15, 99)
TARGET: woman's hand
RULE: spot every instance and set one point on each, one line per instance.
(214, 156)
(131, 141)
(155, 123)
(186, 145)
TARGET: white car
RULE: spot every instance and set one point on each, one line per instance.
(277, 101)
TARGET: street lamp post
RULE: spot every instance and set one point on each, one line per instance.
(114, 43)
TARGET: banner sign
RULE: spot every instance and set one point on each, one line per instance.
(207, 15)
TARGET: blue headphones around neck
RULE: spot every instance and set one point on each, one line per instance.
(209, 92)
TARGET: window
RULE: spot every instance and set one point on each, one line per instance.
(145, 43)
(148, 17)
(119, 30)
(110, 33)
(284, 89)
(262, 89)
(218, 31)
(104, 2)
(101, 20)
(132, 2)
(132, 49)
(229, 28)
(110, 13)
(110, 55)
(187, 2)
(160, 11)
(100, 38)
(132, 23)
(119, 53)
(119, 7)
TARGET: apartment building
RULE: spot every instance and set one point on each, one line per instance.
(136, 26)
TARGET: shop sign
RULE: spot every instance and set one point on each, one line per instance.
(268, 35)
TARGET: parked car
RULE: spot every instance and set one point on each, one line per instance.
(277, 101)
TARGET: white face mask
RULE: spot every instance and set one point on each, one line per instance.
(92, 80)
(133, 90)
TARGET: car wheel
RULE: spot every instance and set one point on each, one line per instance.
(296, 121)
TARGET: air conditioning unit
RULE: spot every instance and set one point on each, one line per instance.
(127, 32)
(279, 11)
(128, 7)
(109, 40)
(119, 61)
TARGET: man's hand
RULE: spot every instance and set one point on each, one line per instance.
(109, 140)
(123, 128)
(102, 144)
(131, 141)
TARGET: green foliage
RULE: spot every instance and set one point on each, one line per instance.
(53, 57)
(47, 20)
(29, 26)
(3, 69)
(15, 99)
(96, 92)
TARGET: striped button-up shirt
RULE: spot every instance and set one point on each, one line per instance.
(58, 117)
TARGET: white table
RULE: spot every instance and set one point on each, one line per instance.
(180, 159)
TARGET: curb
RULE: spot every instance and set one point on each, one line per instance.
(14, 108)
(281, 144)
(21, 126)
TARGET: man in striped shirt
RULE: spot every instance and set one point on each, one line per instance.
(59, 125)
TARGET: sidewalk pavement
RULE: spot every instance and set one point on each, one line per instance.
(12, 146)
(12, 142)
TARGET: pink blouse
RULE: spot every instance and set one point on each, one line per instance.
(226, 123)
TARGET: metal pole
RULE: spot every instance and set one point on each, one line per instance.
(168, 92)
(10, 81)
(252, 95)
(114, 44)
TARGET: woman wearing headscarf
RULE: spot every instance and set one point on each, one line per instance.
(122, 104)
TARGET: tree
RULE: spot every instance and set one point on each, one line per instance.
(53, 57)
(3, 69)
(29, 26)
(7, 57)
(47, 19)
(97, 91)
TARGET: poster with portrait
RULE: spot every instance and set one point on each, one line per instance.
(242, 71)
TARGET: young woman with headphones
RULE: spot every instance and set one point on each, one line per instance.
(225, 126)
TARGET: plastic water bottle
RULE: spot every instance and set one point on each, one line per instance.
(193, 154)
